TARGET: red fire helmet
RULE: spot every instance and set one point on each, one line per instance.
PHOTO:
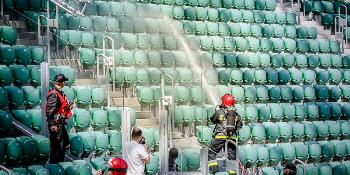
(227, 100)
(118, 166)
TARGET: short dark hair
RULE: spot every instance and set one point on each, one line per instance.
(173, 153)
(136, 132)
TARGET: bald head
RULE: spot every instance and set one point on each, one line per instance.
(136, 133)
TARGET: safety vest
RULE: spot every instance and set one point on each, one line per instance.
(63, 109)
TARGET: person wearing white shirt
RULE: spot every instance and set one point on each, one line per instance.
(136, 155)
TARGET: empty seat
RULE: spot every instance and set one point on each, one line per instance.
(271, 130)
(286, 93)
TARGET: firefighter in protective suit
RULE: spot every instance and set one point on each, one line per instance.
(227, 123)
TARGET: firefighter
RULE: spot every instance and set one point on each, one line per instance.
(227, 123)
(58, 110)
(115, 166)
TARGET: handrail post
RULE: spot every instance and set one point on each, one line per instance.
(39, 28)
(346, 20)
(113, 63)
(298, 9)
(163, 132)
(338, 32)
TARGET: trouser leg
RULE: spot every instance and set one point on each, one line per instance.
(231, 150)
(55, 147)
(214, 148)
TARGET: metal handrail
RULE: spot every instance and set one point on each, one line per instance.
(113, 54)
(346, 19)
(163, 132)
(226, 151)
(65, 6)
(298, 2)
(172, 94)
(301, 162)
(337, 28)
(8, 171)
(39, 26)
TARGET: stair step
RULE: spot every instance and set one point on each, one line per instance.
(31, 42)
(28, 35)
(144, 114)
(150, 123)
(85, 82)
(127, 101)
(186, 142)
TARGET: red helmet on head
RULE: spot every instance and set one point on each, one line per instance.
(118, 166)
(227, 100)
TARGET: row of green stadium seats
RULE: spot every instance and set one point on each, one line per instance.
(268, 112)
(322, 151)
(246, 29)
(19, 97)
(246, 76)
(191, 14)
(247, 4)
(126, 40)
(82, 144)
(86, 96)
(155, 58)
(21, 75)
(100, 119)
(141, 25)
(31, 118)
(318, 7)
(248, 93)
(21, 54)
(35, 5)
(284, 132)
(331, 168)
(8, 35)
(278, 45)
(75, 167)
(277, 76)
(24, 149)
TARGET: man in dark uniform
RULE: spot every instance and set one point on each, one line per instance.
(58, 110)
(227, 122)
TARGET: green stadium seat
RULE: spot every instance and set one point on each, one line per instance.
(290, 31)
(178, 13)
(248, 76)
(276, 112)
(154, 75)
(245, 29)
(314, 151)
(4, 100)
(182, 94)
(6, 77)
(251, 113)
(290, 18)
(321, 92)
(302, 32)
(301, 151)
(284, 130)
(13, 149)
(263, 155)
(20, 75)
(270, 5)
(336, 60)
(189, 28)
(297, 131)
(185, 76)
(87, 56)
(8, 54)
(166, 10)
(300, 60)
(224, 15)
(85, 23)
(218, 43)
(312, 111)
(142, 76)
(288, 60)
(8, 35)
(290, 45)
(115, 144)
(258, 133)
(15, 96)
(335, 111)
(302, 45)
(346, 77)
(206, 43)
(143, 41)
(300, 112)
(345, 110)
(145, 95)
(244, 134)
(334, 93)
(224, 29)
(309, 130)
(241, 43)
(112, 24)
(277, 44)
(197, 95)
(296, 76)
(271, 130)
(322, 76)
(37, 54)
(81, 119)
(102, 141)
(89, 142)
(200, 114)
(344, 129)
(288, 151)
(38, 169)
(334, 47)
(236, 15)
(274, 93)
(324, 111)
(335, 76)
(99, 118)
(251, 155)
(83, 166)
(288, 111)
(55, 169)
(36, 117)
(309, 76)
(275, 154)
(87, 39)
(259, 16)
(29, 151)
(43, 146)
(153, 166)
(116, 8)
(82, 95)
(309, 93)
(238, 93)
(247, 16)
(313, 45)
(253, 44)
(283, 77)
(31, 96)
